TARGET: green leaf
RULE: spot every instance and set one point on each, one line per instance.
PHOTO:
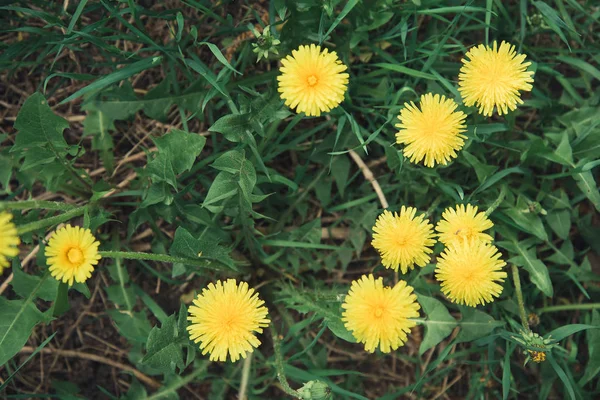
(593, 339)
(115, 77)
(560, 222)
(186, 245)
(163, 349)
(559, 334)
(553, 20)
(475, 324)
(217, 53)
(405, 71)
(337, 327)
(438, 325)
(232, 126)
(161, 170)
(528, 222)
(181, 148)
(587, 184)
(38, 126)
(18, 319)
(61, 304)
(538, 272)
(23, 284)
(224, 186)
(134, 326)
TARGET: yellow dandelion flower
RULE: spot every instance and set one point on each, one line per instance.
(433, 132)
(537, 356)
(403, 240)
(224, 318)
(463, 223)
(9, 240)
(470, 272)
(492, 77)
(312, 81)
(378, 315)
(72, 253)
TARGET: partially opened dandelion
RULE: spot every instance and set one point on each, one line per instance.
(433, 132)
(72, 253)
(312, 80)
(463, 223)
(9, 240)
(403, 239)
(470, 272)
(492, 77)
(379, 316)
(224, 319)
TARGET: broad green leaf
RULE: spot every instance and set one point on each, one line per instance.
(560, 222)
(38, 126)
(224, 186)
(538, 272)
(186, 245)
(528, 222)
(475, 324)
(438, 325)
(337, 327)
(587, 184)
(18, 319)
(23, 284)
(134, 326)
(181, 148)
(163, 348)
(161, 170)
(232, 126)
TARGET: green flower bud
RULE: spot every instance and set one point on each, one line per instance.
(315, 390)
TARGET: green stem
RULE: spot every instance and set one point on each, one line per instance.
(245, 377)
(33, 226)
(519, 292)
(568, 307)
(496, 203)
(36, 204)
(279, 365)
(203, 262)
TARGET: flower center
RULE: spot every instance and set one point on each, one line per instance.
(312, 80)
(75, 256)
(378, 312)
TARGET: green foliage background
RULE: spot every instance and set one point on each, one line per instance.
(152, 124)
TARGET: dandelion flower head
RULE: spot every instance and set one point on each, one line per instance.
(403, 239)
(470, 272)
(463, 223)
(9, 240)
(492, 77)
(72, 253)
(224, 318)
(378, 316)
(432, 132)
(312, 80)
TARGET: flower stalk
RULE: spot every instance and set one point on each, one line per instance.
(279, 365)
(33, 226)
(203, 262)
(519, 292)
